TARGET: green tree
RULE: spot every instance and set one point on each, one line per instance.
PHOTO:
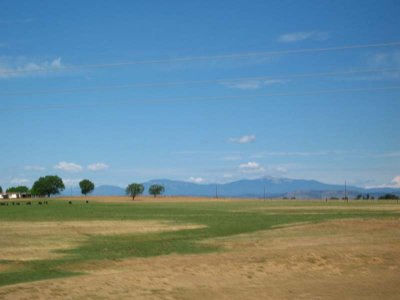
(389, 197)
(18, 189)
(47, 186)
(1, 189)
(156, 189)
(134, 189)
(86, 186)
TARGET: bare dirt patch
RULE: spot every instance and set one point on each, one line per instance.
(353, 259)
(39, 240)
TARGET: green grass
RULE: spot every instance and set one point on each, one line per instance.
(221, 218)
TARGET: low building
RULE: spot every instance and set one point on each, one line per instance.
(15, 195)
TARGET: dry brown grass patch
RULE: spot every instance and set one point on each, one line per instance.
(39, 240)
(353, 259)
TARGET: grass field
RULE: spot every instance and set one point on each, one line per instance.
(182, 248)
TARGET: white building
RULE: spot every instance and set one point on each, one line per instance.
(15, 195)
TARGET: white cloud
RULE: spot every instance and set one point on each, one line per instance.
(19, 181)
(34, 168)
(98, 166)
(395, 183)
(68, 167)
(302, 35)
(22, 67)
(245, 139)
(251, 167)
(196, 179)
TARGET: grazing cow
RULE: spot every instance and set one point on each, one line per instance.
(87, 201)
(40, 203)
(2, 204)
(69, 202)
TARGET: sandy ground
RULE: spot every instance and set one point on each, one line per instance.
(353, 259)
(38, 240)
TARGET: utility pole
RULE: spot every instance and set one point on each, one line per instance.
(264, 192)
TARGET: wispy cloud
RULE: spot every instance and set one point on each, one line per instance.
(34, 168)
(384, 59)
(388, 61)
(245, 139)
(251, 167)
(19, 181)
(254, 84)
(293, 37)
(227, 176)
(391, 154)
(68, 167)
(244, 85)
(98, 166)
(382, 76)
(288, 153)
(281, 169)
(204, 152)
(22, 67)
(196, 179)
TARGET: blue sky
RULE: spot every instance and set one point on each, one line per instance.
(65, 110)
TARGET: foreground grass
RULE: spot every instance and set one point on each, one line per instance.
(221, 218)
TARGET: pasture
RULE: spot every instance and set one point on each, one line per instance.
(193, 248)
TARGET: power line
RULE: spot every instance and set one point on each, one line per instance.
(205, 98)
(193, 82)
(203, 58)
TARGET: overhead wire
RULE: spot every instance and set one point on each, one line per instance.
(200, 98)
(210, 81)
(200, 58)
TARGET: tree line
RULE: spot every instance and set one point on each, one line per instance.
(53, 185)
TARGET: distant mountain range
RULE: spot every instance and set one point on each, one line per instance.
(252, 188)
